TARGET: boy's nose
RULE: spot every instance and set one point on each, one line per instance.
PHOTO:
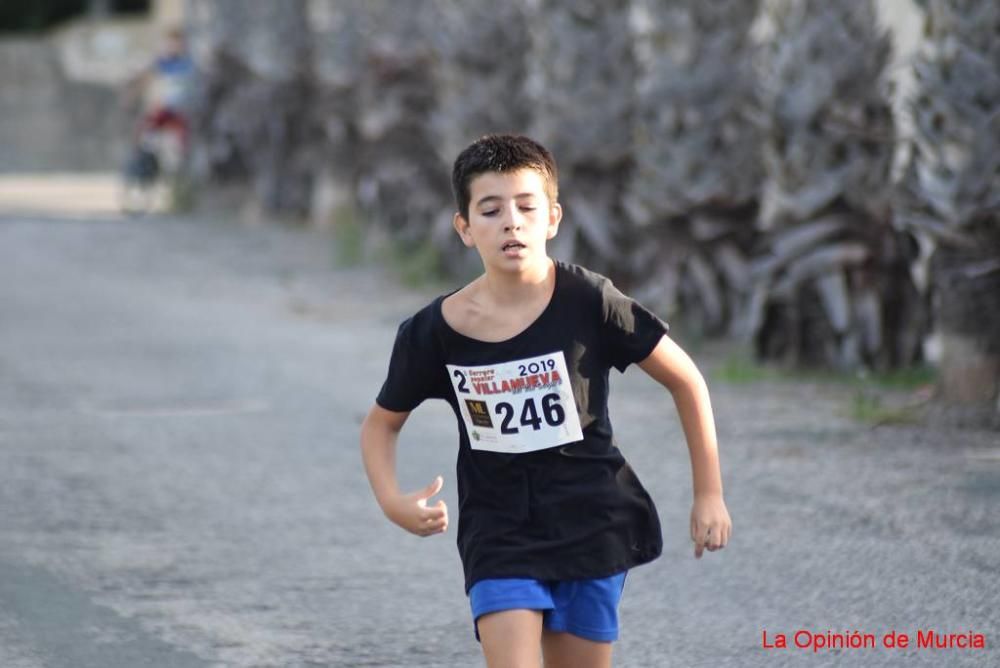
(512, 221)
(512, 226)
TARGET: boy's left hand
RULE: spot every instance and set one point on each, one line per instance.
(710, 524)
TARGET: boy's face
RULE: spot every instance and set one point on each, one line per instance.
(510, 219)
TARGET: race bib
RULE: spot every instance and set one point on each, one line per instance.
(518, 406)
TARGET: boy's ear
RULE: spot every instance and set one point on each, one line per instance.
(461, 226)
(555, 216)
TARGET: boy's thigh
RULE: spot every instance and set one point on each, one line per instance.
(565, 650)
(510, 638)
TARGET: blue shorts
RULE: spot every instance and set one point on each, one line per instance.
(585, 608)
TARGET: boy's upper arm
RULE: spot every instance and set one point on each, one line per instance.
(383, 417)
(669, 365)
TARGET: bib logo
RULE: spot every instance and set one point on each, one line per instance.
(479, 412)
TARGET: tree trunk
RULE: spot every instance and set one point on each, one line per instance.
(831, 285)
(966, 303)
(950, 192)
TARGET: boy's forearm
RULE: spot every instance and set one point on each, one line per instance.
(695, 410)
(378, 451)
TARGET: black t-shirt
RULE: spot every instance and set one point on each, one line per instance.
(543, 490)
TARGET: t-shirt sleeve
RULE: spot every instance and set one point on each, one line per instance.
(412, 373)
(630, 331)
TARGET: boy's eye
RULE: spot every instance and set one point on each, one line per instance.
(489, 213)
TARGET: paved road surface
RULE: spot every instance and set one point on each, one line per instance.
(180, 482)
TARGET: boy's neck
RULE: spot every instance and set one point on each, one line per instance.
(511, 288)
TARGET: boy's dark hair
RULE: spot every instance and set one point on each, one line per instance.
(501, 153)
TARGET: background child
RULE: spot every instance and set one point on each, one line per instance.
(551, 516)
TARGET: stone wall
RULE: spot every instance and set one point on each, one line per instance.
(61, 103)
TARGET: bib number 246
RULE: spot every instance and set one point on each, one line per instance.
(553, 414)
(517, 406)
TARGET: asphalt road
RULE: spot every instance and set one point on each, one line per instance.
(180, 483)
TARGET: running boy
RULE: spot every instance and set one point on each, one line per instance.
(551, 516)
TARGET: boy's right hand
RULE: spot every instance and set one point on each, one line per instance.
(411, 511)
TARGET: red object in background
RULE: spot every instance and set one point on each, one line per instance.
(163, 119)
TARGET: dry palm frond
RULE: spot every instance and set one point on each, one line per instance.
(481, 52)
(697, 174)
(581, 86)
(950, 191)
(831, 282)
(255, 114)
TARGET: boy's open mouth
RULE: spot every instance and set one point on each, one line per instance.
(513, 245)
